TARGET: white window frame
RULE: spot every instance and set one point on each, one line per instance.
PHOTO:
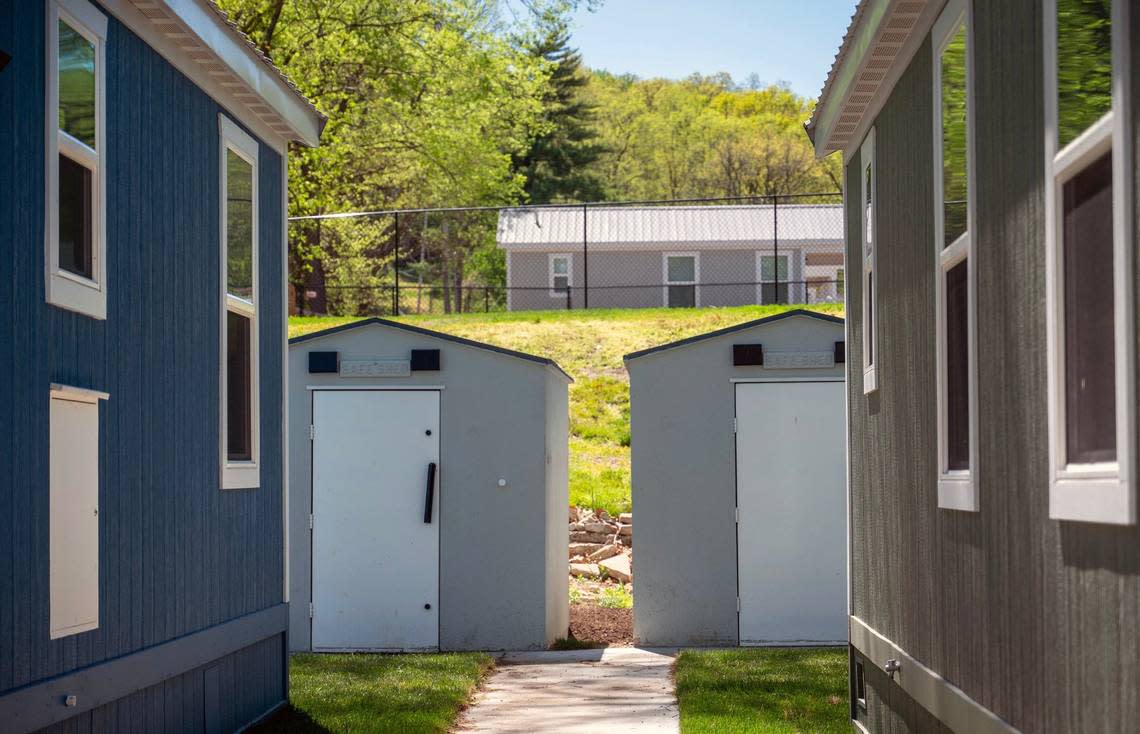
(869, 302)
(569, 258)
(760, 282)
(73, 535)
(1102, 492)
(957, 489)
(696, 282)
(239, 474)
(65, 289)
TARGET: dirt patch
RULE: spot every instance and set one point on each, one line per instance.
(608, 627)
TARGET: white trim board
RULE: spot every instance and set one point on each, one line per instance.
(945, 701)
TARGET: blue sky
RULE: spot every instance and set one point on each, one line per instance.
(780, 40)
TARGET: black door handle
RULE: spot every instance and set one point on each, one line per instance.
(430, 496)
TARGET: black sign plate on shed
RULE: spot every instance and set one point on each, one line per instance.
(748, 355)
(425, 360)
(324, 362)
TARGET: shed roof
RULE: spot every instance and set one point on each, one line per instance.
(733, 329)
(663, 227)
(374, 321)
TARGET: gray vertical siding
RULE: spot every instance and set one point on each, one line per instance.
(177, 554)
(1035, 619)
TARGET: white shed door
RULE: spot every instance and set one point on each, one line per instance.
(792, 534)
(375, 552)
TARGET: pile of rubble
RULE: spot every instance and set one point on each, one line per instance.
(600, 545)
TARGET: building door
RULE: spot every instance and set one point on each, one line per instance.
(375, 534)
(792, 530)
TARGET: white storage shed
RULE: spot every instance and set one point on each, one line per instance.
(738, 458)
(427, 492)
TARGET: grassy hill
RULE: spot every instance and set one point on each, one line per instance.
(589, 345)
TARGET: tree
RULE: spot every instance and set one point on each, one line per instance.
(558, 164)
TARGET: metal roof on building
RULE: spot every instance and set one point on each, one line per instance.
(669, 227)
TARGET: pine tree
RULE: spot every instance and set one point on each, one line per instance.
(558, 165)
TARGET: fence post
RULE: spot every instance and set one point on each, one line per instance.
(776, 245)
(585, 261)
(396, 252)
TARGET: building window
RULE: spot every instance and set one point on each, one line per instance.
(1089, 261)
(73, 510)
(239, 368)
(682, 272)
(561, 275)
(953, 256)
(860, 687)
(867, 178)
(773, 278)
(75, 252)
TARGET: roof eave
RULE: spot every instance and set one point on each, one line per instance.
(887, 33)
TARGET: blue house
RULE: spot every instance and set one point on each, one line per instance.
(143, 574)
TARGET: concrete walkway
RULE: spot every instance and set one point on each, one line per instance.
(618, 689)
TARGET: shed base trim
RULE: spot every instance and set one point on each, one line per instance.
(42, 704)
(945, 701)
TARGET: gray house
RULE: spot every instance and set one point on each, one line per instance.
(738, 483)
(678, 256)
(990, 208)
(427, 492)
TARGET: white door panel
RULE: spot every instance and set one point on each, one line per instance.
(375, 559)
(791, 540)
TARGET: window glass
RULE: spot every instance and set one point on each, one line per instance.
(239, 226)
(954, 161)
(1084, 65)
(1090, 365)
(867, 235)
(75, 220)
(239, 428)
(682, 269)
(682, 296)
(869, 317)
(560, 266)
(769, 269)
(76, 85)
(957, 368)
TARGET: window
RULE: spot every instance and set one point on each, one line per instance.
(867, 231)
(953, 257)
(73, 510)
(1088, 201)
(773, 278)
(682, 272)
(561, 275)
(75, 256)
(239, 369)
(860, 686)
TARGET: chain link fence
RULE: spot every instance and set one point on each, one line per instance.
(679, 254)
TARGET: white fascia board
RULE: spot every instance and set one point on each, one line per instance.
(871, 27)
(204, 23)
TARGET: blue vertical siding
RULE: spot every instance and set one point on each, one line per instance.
(177, 554)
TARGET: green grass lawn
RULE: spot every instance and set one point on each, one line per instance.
(589, 345)
(378, 693)
(766, 691)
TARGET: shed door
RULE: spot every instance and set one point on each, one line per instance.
(375, 558)
(792, 534)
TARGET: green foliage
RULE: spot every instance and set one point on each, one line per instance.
(703, 137)
(378, 693)
(954, 116)
(557, 167)
(770, 691)
(428, 103)
(615, 597)
(1084, 64)
(600, 410)
(573, 643)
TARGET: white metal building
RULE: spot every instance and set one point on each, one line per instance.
(739, 485)
(428, 492)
